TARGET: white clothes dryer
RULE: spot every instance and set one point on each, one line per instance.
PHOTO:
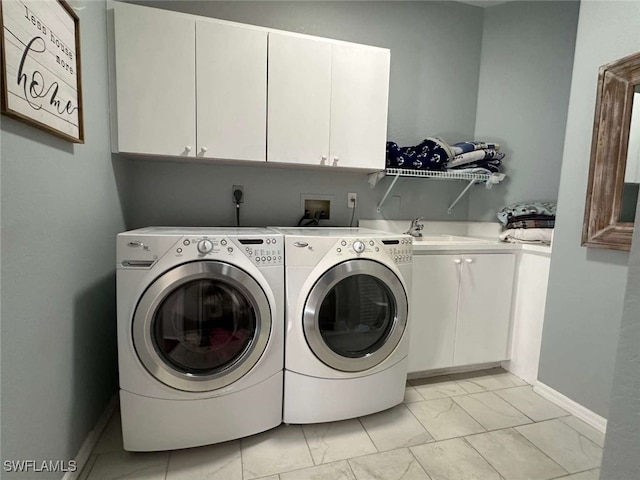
(200, 335)
(346, 343)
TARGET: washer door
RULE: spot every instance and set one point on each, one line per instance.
(201, 326)
(355, 315)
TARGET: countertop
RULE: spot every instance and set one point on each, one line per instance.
(457, 237)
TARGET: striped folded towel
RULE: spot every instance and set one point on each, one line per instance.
(548, 222)
(475, 156)
(466, 147)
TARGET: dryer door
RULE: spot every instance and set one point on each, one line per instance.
(201, 326)
(355, 315)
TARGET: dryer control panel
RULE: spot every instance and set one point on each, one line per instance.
(399, 249)
(263, 250)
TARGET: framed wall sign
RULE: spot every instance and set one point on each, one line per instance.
(41, 81)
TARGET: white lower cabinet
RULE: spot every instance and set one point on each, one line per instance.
(460, 309)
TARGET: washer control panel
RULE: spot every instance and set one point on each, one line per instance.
(261, 250)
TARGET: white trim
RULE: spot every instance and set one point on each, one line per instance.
(574, 408)
(92, 439)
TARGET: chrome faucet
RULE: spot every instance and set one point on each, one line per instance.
(415, 228)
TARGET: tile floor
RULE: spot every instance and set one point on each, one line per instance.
(482, 425)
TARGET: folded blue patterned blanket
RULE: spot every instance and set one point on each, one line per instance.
(466, 147)
(431, 154)
(527, 211)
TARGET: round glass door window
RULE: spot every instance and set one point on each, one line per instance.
(355, 315)
(202, 326)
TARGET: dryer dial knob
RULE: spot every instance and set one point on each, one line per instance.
(205, 246)
(358, 246)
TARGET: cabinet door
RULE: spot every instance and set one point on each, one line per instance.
(231, 68)
(359, 101)
(155, 78)
(484, 308)
(299, 95)
(432, 323)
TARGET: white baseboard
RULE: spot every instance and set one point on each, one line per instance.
(91, 440)
(574, 408)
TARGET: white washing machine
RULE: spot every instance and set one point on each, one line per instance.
(200, 335)
(346, 343)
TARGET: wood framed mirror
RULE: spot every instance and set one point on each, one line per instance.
(614, 171)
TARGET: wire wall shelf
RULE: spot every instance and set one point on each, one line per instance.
(473, 178)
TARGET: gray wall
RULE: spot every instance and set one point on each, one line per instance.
(620, 458)
(433, 91)
(60, 214)
(525, 76)
(586, 285)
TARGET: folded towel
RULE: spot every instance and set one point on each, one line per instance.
(528, 235)
(492, 165)
(545, 222)
(525, 211)
(465, 147)
(476, 170)
(475, 156)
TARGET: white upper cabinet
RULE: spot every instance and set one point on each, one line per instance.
(299, 100)
(155, 81)
(191, 86)
(327, 102)
(231, 66)
(359, 100)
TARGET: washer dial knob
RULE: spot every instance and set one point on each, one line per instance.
(358, 246)
(205, 246)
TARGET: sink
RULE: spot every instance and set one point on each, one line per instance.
(448, 239)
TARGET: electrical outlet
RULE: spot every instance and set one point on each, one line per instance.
(233, 196)
(352, 200)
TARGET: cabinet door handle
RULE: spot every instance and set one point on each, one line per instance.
(323, 160)
(468, 260)
(204, 149)
(187, 148)
(335, 161)
(457, 261)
